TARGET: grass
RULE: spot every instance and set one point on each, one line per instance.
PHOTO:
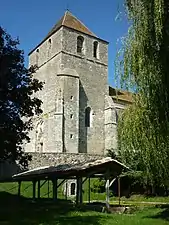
(16, 211)
(26, 191)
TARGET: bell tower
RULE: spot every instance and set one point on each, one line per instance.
(73, 63)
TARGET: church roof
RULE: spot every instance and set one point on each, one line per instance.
(69, 21)
(121, 95)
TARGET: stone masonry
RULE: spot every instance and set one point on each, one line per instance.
(80, 110)
(79, 116)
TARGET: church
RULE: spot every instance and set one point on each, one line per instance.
(80, 109)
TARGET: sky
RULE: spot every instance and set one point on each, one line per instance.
(31, 20)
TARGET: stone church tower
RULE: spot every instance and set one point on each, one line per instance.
(73, 63)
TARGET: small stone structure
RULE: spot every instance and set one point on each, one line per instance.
(70, 188)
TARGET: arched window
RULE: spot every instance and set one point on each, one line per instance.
(72, 189)
(95, 49)
(88, 117)
(80, 41)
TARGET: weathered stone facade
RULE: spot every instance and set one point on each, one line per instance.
(80, 110)
(79, 117)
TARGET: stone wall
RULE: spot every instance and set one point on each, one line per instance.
(64, 128)
(93, 87)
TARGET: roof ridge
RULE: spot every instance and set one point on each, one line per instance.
(80, 22)
(64, 17)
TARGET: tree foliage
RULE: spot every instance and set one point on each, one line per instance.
(17, 104)
(143, 130)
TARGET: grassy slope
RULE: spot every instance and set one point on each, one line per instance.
(38, 214)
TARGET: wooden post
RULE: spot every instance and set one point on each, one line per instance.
(19, 188)
(119, 189)
(54, 181)
(79, 194)
(66, 191)
(34, 189)
(56, 189)
(89, 191)
(77, 191)
(107, 186)
(80, 190)
(48, 188)
(107, 192)
(38, 189)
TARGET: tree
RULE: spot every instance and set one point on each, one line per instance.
(17, 103)
(143, 130)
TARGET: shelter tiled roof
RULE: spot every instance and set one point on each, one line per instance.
(69, 170)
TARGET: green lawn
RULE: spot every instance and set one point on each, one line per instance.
(27, 213)
(18, 212)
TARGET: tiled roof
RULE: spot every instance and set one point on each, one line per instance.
(121, 95)
(70, 21)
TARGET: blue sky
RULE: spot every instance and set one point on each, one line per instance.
(31, 20)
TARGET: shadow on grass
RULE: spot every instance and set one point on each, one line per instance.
(14, 211)
(163, 214)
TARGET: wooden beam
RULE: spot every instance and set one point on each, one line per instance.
(112, 182)
(54, 182)
(43, 183)
(107, 192)
(89, 191)
(66, 191)
(79, 194)
(107, 176)
(56, 190)
(39, 189)
(119, 194)
(80, 190)
(48, 188)
(34, 190)
(84, 180)
(19, 188)
(61, 183)
(77, 191)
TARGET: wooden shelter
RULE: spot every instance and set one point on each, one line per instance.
(107, 168)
